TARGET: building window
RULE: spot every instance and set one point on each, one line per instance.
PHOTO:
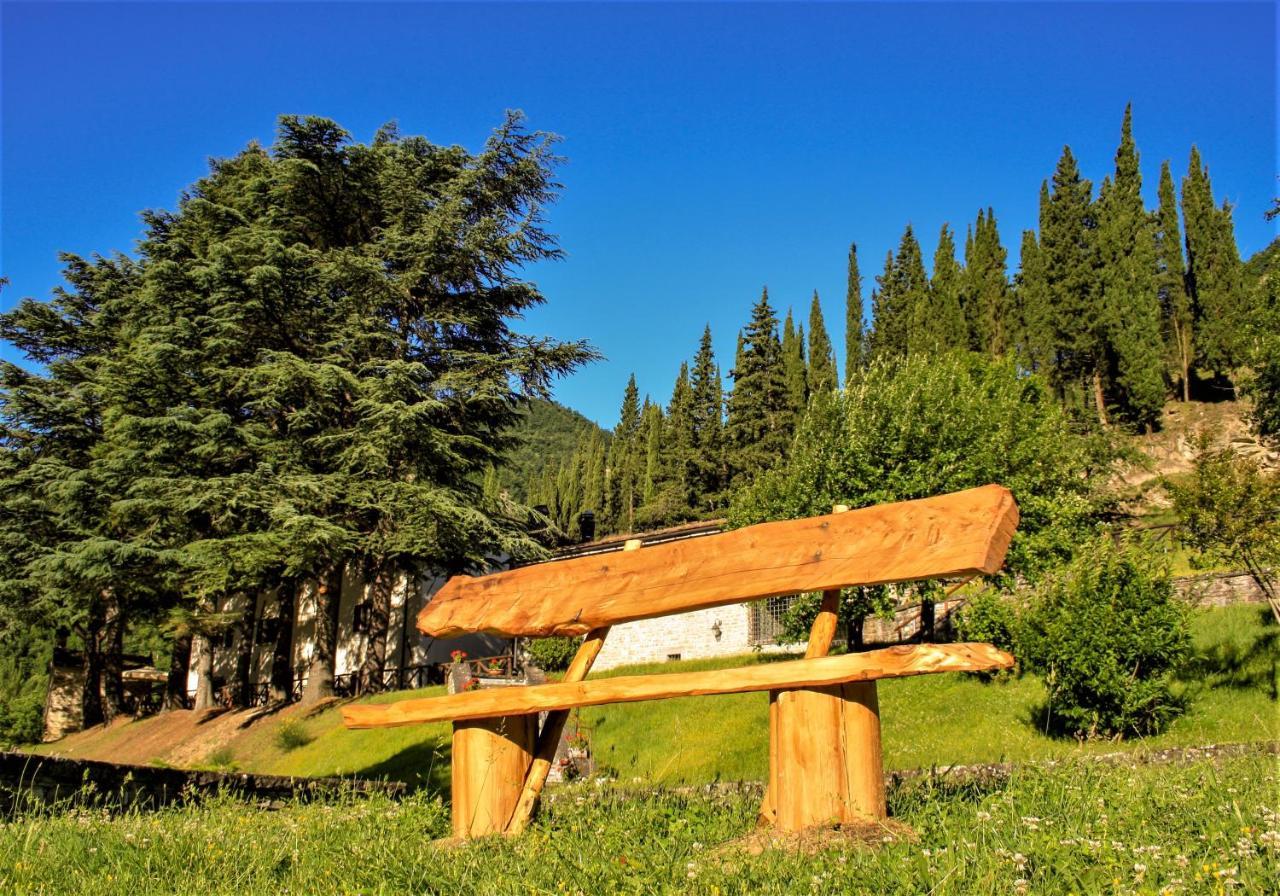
(360, 615)
(767, 618)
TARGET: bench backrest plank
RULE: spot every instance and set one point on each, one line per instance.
(960, 534)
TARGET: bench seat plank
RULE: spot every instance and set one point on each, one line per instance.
(961, 534)
(891, 662)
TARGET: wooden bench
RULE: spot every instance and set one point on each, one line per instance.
(824, 718)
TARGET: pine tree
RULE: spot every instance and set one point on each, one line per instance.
(853, 330)
(708, 478)
(793, 367)
(938, 323)
(1213, 272)
(760, 405)
(822, 359)
(1175, 305)
(1128, 303)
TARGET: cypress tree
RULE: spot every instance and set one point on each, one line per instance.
(1034, 337)
(1129, 304)
(938, 323)
(987, 286)
(1068, 254)
(822, 359)
(793, 366)
(853, 334)
(677, 461)
(1214, 280)
(706, 416)
(1175, 305)
(760, 406)
(902, 287)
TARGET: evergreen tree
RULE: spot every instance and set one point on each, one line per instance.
(1213, 272)
(760, 404)
(822, 359)
(793, 367)
(1128, 302)
(1034, 336)
(1067, 253)
(677, 461)
(986, 286)
(902, 287)
(708, 478)
(853, 334)
(938, 323)
(1175, 305)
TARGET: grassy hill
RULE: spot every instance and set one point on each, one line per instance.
(930, 720)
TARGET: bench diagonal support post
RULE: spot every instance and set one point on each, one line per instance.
(553, 728)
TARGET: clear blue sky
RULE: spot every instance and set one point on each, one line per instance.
(712, 149)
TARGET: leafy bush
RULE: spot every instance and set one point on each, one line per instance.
(552, 654)
(1229, 512)
(932, 424)
(1107, 635)
(988, 616)
(291, 734)
(22, 719)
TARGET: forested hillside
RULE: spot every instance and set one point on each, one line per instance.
(546, 433)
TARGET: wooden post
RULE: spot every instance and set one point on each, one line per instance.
(825, 757)
(821, 634)
(491, 758)
(553, 727)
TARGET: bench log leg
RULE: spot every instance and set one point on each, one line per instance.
(491, 758)
(825, 764)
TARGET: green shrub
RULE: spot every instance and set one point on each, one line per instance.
(552, 654)
(291, 734)
(22, 719)
(222, 759)
(991, 617)
(1107, 635)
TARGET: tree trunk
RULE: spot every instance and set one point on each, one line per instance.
(282, 656)
(202, 647)
(92, 696)
(1098, 399)
(1184, 357)
(175, 690)
(245, 641)
(927, 618)
(854, 625)
(381, 581)
(320, 672)
(112, 657)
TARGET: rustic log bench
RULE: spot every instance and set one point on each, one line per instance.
(824, 718)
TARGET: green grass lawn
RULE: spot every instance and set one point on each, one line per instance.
(1078, 828)
(928, 720)
(945, 719)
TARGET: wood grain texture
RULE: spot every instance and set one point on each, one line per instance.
(491, 758)
(825, 763)
(821, 634)
(891, 662)
(960, 534)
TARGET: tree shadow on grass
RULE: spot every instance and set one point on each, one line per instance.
(422, 766)
(1250, 667)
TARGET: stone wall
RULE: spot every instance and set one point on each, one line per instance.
(719, 631)
(1219, 589)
